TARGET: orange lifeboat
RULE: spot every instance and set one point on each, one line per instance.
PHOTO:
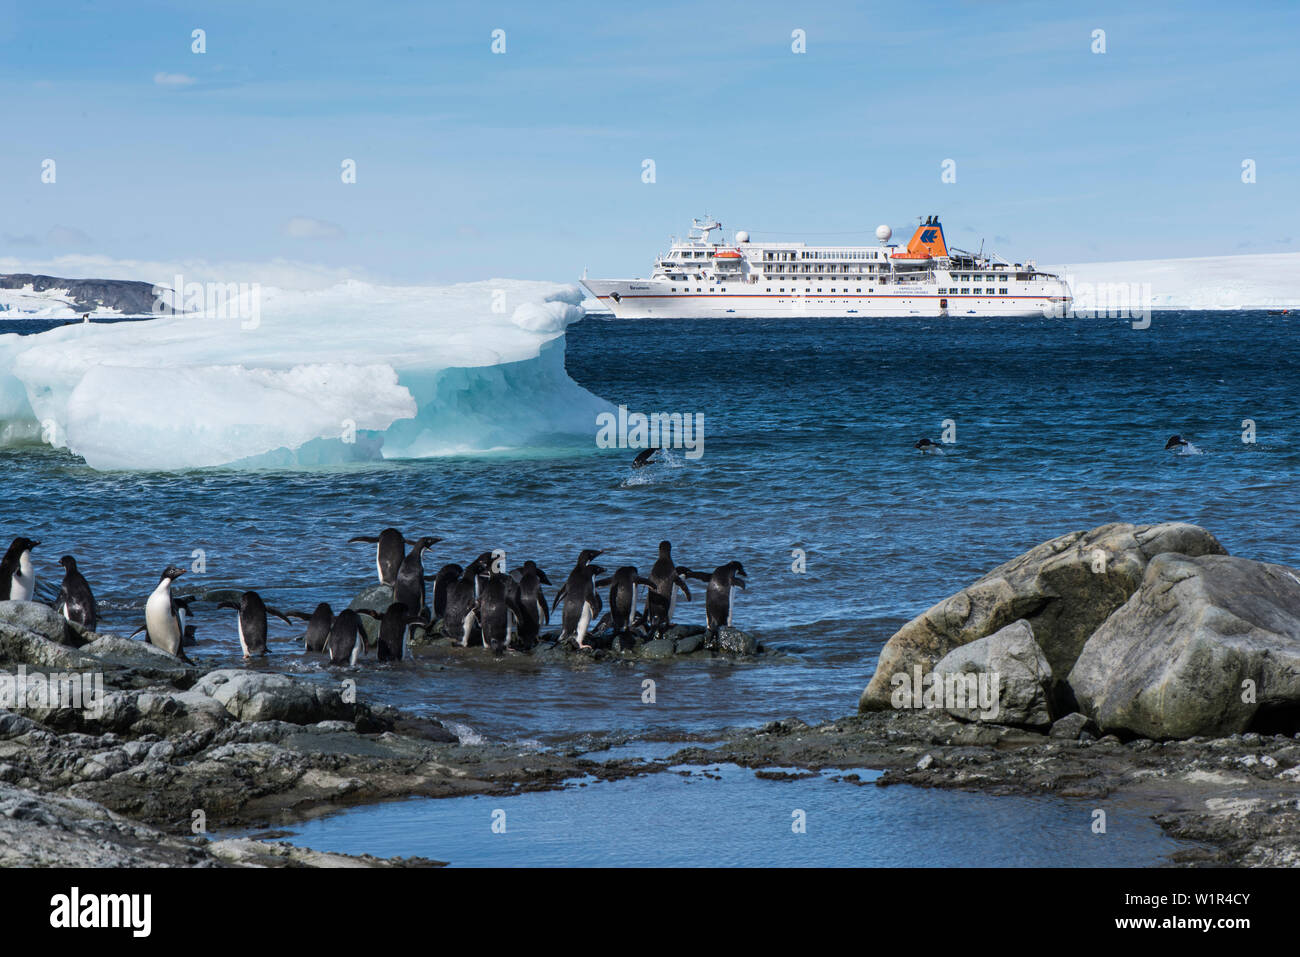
(733, 254)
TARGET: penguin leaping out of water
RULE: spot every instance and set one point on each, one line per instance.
(161, 622)
(643, 458)
(252, 622)
(1175, 443)
(76, 602)
(17, 576)
(926, 445)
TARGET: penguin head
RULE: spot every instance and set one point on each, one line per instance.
(1175, 441)
(587, 554)
(428, 541)
(69, 563)
(738, 575)
(21, 545)
(665, 549)
(171, 573)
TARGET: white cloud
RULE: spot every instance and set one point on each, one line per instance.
(173, 79)
(304, 227)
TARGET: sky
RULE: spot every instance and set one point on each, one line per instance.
(531, 163)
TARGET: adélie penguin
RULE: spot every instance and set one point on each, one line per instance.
(408, 588)
(1175, 443)
(17, 576)
(252, 621)
(319, 623)
(389, 552)
(460, 619)
(76, 602)
(532, 604)
(442, 579)
(394, 626)
(161, 622)
(347, 639)
(666, 579)
(622, 598)
(720, 600)
(581, 602)
(498, 609)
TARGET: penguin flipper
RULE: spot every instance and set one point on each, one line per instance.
(279, 614)
(546, 612)
(681, 583)
(371, 612)
(368, 539)
(138, 630)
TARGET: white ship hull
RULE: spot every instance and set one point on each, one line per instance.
(644, 299)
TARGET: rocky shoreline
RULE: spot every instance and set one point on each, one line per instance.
(1127, 673)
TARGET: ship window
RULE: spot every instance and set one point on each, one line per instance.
(965, 291)
(859, 290)
(674, 289)
(1002, 292)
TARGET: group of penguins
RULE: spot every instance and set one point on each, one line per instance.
(476, 604)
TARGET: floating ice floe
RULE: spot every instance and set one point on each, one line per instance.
(351, 372)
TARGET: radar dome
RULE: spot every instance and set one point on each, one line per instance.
(742, 236)
(883, 233)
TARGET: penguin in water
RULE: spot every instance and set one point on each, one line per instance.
(460, 620)
(665, 580)
(347, 639)
(498, 610)
(581, 602)
(622, 598)
(389, 552)
(409, 585)
(643, 458)
(319, 623)
(443, 579)
(926, 445)
(161, 623)
(532, 603)
(76, 602)
(17, 576)
(252, 621)
(721, 596)
(1175, 443)
(394, 626)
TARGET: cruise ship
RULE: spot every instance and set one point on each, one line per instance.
(699, 278)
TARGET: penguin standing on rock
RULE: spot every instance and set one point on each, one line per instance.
(161, 622)
(581, 602)
(408, 588)
(17, 576)
(389, 553)
(498, 610)
(661, 601)
(532, 603)
(443, 579)
(76, 602)
(721, 597)
(460, 620)
(622, 598)
(394, 625)
(252, 622)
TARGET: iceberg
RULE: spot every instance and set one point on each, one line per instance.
(1252, 281)
(352, 372)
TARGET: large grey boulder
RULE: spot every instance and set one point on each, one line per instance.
(376, 597)
(1064, 588)
(261, 696)
(1024, 677)
(1175, 660)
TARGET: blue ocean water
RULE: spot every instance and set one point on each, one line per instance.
(808, 445)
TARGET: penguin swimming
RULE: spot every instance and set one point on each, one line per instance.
(721, 597)
(319, 623)
(76, 602)
(622, 598)
(926, 445)
(394, 626)
(661, 601)
(1176, 442)
(252, 622)
(643, 458)
(389, 552)
(161, 623)
(408, 587)
(532, 603)
(17, 577)
(347, 640)
(581, 602)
